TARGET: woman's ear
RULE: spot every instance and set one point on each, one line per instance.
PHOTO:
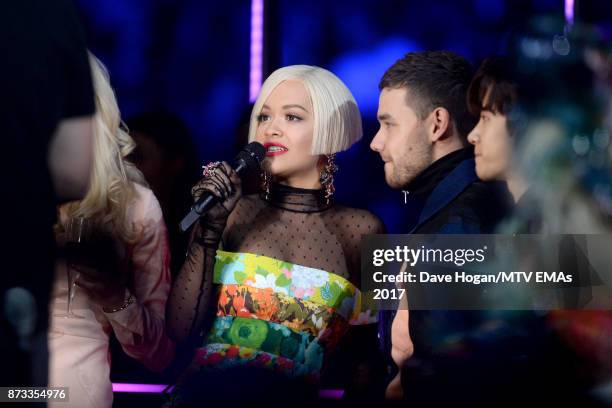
(321, 162)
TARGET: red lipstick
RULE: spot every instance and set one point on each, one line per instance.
(275, 149)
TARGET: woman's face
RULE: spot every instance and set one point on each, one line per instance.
(285, 128)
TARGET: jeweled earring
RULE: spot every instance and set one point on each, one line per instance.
(327, 176)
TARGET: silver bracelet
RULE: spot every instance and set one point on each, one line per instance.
(130, 299)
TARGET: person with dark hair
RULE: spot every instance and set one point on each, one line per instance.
(530, 123)
(493, 96)
(424, 122)
(166, 156)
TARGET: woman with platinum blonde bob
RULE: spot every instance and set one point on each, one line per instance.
(118, 278)
(270, 285)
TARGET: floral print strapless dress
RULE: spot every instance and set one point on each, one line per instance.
(278, 315)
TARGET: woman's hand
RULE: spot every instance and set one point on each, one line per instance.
(224, 183)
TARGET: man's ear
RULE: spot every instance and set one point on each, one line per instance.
(439, 124)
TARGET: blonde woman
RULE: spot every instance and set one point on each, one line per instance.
(122, 286)
(272, 279)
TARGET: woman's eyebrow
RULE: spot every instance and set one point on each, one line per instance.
(285, 107)
(295, 106)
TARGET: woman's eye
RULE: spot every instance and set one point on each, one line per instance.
(293, 118)
(262, 117)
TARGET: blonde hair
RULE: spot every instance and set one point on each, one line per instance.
(111, 183)
(337, 122)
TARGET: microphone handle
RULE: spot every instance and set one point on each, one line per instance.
(188, 221)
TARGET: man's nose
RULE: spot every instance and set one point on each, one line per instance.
(377, 143)
(473, 136)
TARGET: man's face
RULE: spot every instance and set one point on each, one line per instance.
(402, 140)
(492, 145)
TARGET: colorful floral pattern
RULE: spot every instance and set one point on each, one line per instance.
(225, 356)
(313, 285)
(297, 314)
(269, 337)
(278, 315)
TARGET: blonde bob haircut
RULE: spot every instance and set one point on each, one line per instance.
(337, 122)
(112, 178)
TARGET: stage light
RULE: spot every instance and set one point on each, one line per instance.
(256, 62)
(159, 388)
(569, 12)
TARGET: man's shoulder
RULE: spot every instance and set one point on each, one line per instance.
(483, 204)
(481, 192)
(483, 195)
(477, 209)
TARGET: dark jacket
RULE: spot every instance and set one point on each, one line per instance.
(462, 204)
(477, 358)
(453, 201)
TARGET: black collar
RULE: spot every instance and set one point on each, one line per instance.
(423, 184)
(297, 199)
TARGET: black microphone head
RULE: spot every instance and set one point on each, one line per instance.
(252, 155)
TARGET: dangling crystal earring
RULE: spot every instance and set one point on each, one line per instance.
(266, 180)
(327, 176)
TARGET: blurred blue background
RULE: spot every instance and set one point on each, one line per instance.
(191, 57)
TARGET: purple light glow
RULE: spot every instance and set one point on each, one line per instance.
(257, 12)
(159, 388)
(331, 394)
(139, 388)
(569, 12)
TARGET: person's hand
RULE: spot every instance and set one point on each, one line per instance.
(224, 183)
(401, 349)
(102, 271)
(394, 391)
(401, 343)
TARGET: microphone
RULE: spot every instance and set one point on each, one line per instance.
(248, 159)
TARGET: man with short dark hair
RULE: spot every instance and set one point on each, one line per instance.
(422, 113)
(424, 123)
